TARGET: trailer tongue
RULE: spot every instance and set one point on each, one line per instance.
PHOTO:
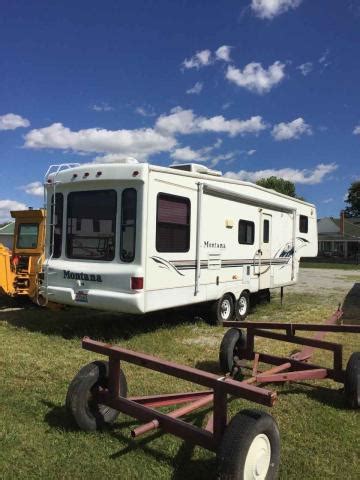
(248, 446)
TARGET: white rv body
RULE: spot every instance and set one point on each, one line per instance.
(199, 214)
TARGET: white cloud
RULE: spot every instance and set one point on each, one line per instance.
(185, 122)
(328, 200)
(271, 8)
(305, 68)
(232, 127)
(324, 57)
(223, 53)
(102, 107)
(139, 143)
(6, 206)
(114, 158)
(178, 121)
(227, 157)
(34, 188)
(256, 78)
(304, 176)
(145, 111)
(11, 121)
(251, 152)
(196, 89)
(291, 130)
(356, 130)
(200, 59)
(187, 154)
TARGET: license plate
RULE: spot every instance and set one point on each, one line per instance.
(81, 297)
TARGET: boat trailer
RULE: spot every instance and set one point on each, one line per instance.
(248, 446)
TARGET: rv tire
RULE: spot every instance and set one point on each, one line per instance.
(242, 306)
(222, 310)
(80, 403)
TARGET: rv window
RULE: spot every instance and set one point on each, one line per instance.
(303, 224)
(58, 224)
(246, 232)
(90, 210)
(128, 225)
(28, 235)
(173, 223)
(266, 231)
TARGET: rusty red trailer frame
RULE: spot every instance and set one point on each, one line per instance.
(293, 368)
(142, 407)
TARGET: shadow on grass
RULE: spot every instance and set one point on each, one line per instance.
(183, 465)
(69, 322)
(58, 417)
(331, 397)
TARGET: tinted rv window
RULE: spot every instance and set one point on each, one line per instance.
(57, 222)
(246, 232)
(173, 223)
(128, 225)
(266, 231)
(303, 224)
(95, 213)
(28, 235)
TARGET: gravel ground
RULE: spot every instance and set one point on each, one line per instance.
(326, 283)
(320, 281)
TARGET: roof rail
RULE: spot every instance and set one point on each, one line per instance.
(56, 169)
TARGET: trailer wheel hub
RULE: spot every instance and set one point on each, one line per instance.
(225, 309)
(257, 461)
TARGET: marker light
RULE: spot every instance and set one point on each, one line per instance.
(137, 283)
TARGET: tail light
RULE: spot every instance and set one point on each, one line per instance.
(137, 283)
(15, 260)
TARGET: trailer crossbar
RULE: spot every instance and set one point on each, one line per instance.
(206, 379)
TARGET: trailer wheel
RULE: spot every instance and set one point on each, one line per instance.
(222, 310)
(231, 347)
(242, 306)
(250, 448)
(352, 380)
(80, 402)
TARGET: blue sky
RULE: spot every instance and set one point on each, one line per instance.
(249, 87)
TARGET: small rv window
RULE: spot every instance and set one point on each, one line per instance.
(28, 235)
(246, 232)
(128, 225)
(57, 222)
(95, 212)
(303, 224)
(266, 231)
(172, 223)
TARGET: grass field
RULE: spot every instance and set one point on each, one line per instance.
(40, 353)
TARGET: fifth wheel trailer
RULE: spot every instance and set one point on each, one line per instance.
(137, 238)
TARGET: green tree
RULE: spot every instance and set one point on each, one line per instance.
(353, 200)
(279, 185)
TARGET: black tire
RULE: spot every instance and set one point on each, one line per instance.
(88, 415)
(232, 344)
(242, 306)
(238, 446)
(222, 310)
(352, 381)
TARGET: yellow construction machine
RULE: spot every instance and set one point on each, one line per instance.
(20, 268)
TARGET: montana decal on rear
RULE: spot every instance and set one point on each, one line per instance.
(88, 277)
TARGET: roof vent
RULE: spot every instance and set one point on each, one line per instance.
(196, 168)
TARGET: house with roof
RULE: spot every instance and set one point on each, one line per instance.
(339, 237)
(7, 235)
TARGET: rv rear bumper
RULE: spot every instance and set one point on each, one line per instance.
(121, 302)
